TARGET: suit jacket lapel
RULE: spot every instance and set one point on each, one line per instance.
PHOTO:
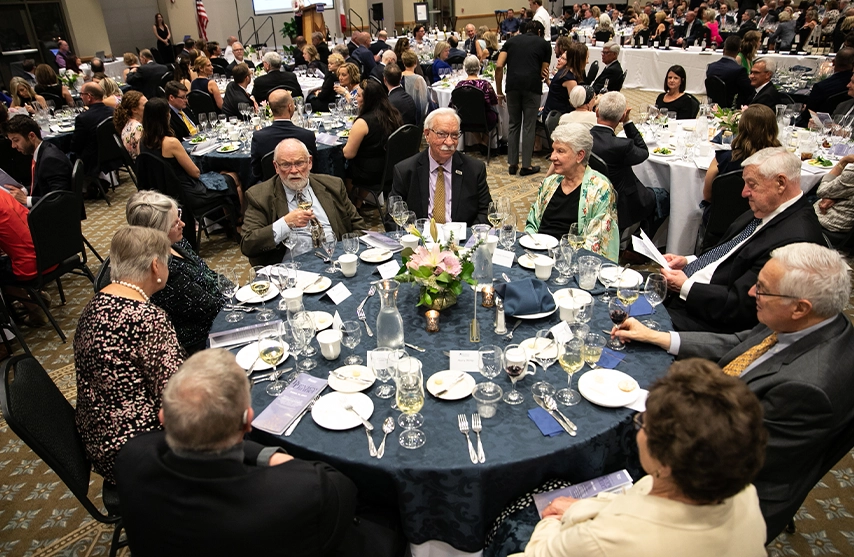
(328, 203)
(456, 184)
(280, 200)
(423, 173)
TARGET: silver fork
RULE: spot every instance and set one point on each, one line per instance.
(372, 449)
(477, 427)
(360, 310)
(509, 336)
(464, 429)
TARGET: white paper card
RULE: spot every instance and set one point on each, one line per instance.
(336, 321)
(503, 258)
(388, 269)
(561, 332)
(464, 360)
(639, 405)
(338, 293)
(644, 246)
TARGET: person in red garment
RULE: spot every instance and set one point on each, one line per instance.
(18, 261)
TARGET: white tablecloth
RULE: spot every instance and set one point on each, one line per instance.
(114, 69)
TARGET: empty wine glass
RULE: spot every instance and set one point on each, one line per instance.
(351, 335)
(328, 242)
(270, 351)
(609, 275)
(203, 122)
(302, 324)
(490, 362)
(227, 284)
(383, 368)
(654, 291)
(571, 360)
(563, 263)
(350, 242)
(507, 235)
(259, 282)
(545, 352)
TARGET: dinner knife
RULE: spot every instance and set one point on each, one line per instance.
(560, 422)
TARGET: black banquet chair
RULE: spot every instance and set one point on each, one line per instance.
(471, 108)
(717, 92)
(201, 102)
(727, 206)
(37, 412)
(111, 153)
(267, 168)
(78, 178)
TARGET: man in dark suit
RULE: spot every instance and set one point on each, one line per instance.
(797, 361)
(276, 77)
(455, 56)
(146, 78)
(711, 292)
(397, 96)
(846, 108)
(441, 174)
(84, 141)
(362, 54)
(724, 17)
(319, 42)
(765, 18)
(181, 118)
(51, 169)
(691, 32)
(187, 490)
(612, 72)
(747, 23)
(760, 79)
(471, 40)
(272, 211)
(380, 45)
(388, 57)
(635, 202)
(237, 50)
(265, 140)
(732, 73)
(843, 63)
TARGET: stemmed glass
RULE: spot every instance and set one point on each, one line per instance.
(592, 351)
(575, 238)
(563, 263)
(328, 243)
(302, 325)
(203, 122)
(507, 235)
(545, 353)
(383, 368)
(212, 121)
(654, 291)
(609, 275)
(571, 360)
(259, 282)
(618, 313)
(400, 213)
(227, 283)
(270, 350)
(351, 334)
(515, 365)
(285, 277)
(290, 241)
(394, 359)
(490, 362)
(410, 400)
(494, 214)
(350, 242)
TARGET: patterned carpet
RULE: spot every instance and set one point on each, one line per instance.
(40, 517)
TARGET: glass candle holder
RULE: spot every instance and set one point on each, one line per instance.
(432, 321)
(487, 297)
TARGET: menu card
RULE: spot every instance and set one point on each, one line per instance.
(377, 240)
(242, 335)
(617, 482)
(287, 406)
(327, 139)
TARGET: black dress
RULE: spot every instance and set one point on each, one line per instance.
(683, 106)
(326, 95)
(166, 52)
(366, 168)
(54, 90)
(558, 97)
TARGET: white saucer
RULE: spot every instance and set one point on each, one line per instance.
(628, 278)
(345, 386)
(329, 413)
(526, 261)
(601, 386)
(443, 379)
(575, 293)
(246, 295)
(533, 345)
(375, 255)
(249, 353)
(322, 320)
(545, 241)
(325, 282)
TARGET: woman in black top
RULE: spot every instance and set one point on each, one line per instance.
(164, 39)
(559, 87)
(48, 86)
(678, 103)
(309, 52)
(662, 28)
(320, 99)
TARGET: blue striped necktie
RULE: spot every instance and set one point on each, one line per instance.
(717, 252)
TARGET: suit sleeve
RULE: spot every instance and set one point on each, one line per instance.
(711, 346)
(78, 138)
(638, 152)
(721, 302)
(257, 236)
(484, 197)
(338, 494)
(135, 79)
(255, 159)
(745, 89)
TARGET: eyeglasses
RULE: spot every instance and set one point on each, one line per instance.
(288, 165)
(768, 294)
(445, 135)
(178, 222)
(182, 97)
(637, 420)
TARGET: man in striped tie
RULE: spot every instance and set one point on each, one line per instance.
(710, 292)
(799, 361)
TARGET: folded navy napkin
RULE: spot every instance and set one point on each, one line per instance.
(548, 425)
(609, 359)
(524, 297)
(640, 307)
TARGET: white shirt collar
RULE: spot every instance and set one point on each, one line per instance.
(783, 206)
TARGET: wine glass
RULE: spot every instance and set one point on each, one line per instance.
(507, 235)
(575, 239)
(227, 283)
(285, 277)
(351, 334)
(545, 352)
(515, 365)
(399, 212)
(563, 263)
(571, 360)
(609, 275)
(410, 400)
(593, 345)
(494, 214)
(212, 121)
(350, 242)
(294, 340)
(302, 324)
(328, 242)
(203, 122)
(394, 358)
(490, 362)
(618, 313)
(382, 366)
(259, 282)
(270, 350)
(654, 291)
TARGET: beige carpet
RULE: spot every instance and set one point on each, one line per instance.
(39, 517)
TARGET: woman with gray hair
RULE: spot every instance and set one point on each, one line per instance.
(472, 67)
(584, 100)
(576, 193)
(191, 296)
(125, 349)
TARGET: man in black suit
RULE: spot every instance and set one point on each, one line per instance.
(797, 361)
(362, 54)
(181, 118)
(188, 490)
(265, 140)
(458, 56)
(388, 57)
(724, 16)
(843, 63)
(380, 45)
(146, 78)
(440, 173)
(612, 72)
(846, 108)
(635, 202)
(51, 169)
(691, 32)
(319, 42)
(397, 96)
(711, 292)
(732, 73)
(766, 17)
(760, 79)
(237, 51)
(84, 141)
(471, 40)
(276, 77)
(747, 23)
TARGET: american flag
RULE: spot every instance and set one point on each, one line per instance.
(202, 19)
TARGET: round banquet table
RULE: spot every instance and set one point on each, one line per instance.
(439, 493)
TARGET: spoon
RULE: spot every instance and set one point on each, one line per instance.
(388, 427)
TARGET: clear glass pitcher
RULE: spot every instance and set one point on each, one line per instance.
(389, 322)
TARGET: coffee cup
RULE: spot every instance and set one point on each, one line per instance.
(292, 297)
(569, 310)
(409, 241)
(330, 343)
(349, 263)
(543, 267)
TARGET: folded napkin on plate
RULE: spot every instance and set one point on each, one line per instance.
(524, 297)
(205, 147)
(609, 359)
(640, 307)
(548, 425)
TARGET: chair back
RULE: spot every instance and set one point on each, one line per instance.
(127, 160)
(102, 279)
(58, 101)
(552, 121)
(403, 143)
(109, 152)
(428, 72)
(727, 206)
(201, 102)
(154, 173)
(717, 92)
(167, 77)
(592, 72)
(78, 182)
(57, 235)
(471, 108)
(695, 105)
(267, 168)
(831, 102)
(597, 164)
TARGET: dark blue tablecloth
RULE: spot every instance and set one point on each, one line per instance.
(440, 494)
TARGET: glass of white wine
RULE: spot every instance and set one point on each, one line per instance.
(592, 351)
(259, 282)
(571, 360)
(271, 348)
(400, 214)
(494, 214)
(410, 400)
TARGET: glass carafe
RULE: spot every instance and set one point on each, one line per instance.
(482, 258)
(389, 322)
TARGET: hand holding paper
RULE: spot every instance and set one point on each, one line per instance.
(644, 246)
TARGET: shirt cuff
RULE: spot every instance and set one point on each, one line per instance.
(266, 454)
(691, 258)
(675, 343)
(280, 230)
(686, 288)
(29, 201)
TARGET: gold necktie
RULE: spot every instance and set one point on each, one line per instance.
(187, 122)
(736, 367)
(439, 197)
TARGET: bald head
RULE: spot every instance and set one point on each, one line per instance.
(382, 35)
(231, 40)
(389, 57)
(94, 93)
(281, 103)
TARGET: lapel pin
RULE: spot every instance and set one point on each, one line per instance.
(460, 172)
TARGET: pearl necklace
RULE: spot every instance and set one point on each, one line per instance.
(132, 287)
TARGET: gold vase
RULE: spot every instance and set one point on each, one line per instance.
(442, 300)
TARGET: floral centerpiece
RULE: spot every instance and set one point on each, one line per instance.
(440, 270)
(728, 119)
(489, 70)
(68, 79)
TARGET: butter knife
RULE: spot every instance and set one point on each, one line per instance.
(452, 385)
(417, 348)
(348, 377)
(560, 422)
(296, 422)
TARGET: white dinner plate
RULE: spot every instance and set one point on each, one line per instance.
(329, 413)
(537, 315)
(671, 154)
(230, 147)
(629, 276)
(545, 241)
(348, 386)
(246, 295)
(534, 345)
(247, 355)
(444, 379)
(602, 387)
(575, 293)
(325, 282)
(375, 255)
(322, 320)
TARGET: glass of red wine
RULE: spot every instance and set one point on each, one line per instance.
(515, 364)
(618, 312)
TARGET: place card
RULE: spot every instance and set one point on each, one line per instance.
(388, 269)
(338, 293)
(561, 332)
(327, 139)
(337, 321)
(503, 258)
(463, 360)
(287, 406)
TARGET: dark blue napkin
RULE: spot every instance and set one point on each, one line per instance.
(548, 425)
(524, 297)
(609, 359)
(640, 307)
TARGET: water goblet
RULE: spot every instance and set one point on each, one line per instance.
(328, 242)
(655, 290)
(351, 335)
(302, 324)
(490, 362)
(410, 400)
(350, 242)
(228, 287)
(571, 360)
(382, 366)
(545, 352)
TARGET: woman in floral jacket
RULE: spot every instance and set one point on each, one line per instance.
(576, 193)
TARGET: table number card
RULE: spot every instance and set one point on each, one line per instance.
(464, 360)
(503, 258)
(338, 293)
(388, 270)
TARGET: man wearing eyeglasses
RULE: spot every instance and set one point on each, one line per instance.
(441, 183)
(182, 120)
(798, 361)
(273, 211)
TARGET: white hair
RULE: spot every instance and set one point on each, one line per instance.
(291, 142)
(774, 161)
(604, 20)
(471, 64)
(770, 64)
(612, 106)
(576, 136)
(389, 57)
(428, 122)
(611, 46)
(815, 273)
(577, 96)
(274, 59)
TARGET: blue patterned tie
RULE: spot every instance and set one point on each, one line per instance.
(716, 253)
